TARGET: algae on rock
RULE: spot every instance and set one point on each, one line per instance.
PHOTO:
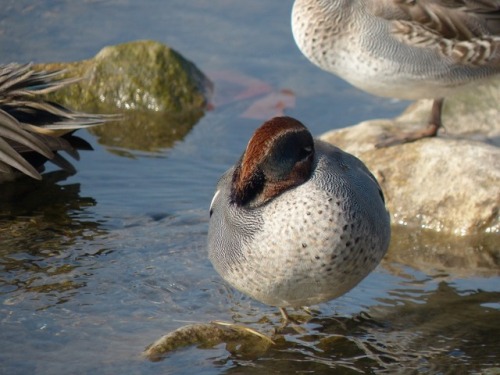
(140, 75)
(161, 94)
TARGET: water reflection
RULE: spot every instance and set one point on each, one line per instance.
(446, 331)
(146, 131)
(431, 252)
(43, 229)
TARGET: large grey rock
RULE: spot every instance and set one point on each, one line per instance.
(448, 184)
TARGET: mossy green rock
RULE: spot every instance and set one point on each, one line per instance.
(139, 75)
(159, 94)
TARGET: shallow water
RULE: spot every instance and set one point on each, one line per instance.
(96, 266)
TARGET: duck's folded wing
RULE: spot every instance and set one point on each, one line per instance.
(32, 128)
(450, 19)
(465, 30)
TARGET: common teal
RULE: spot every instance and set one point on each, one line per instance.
(296, 221)
(408, 49)
(32, 129)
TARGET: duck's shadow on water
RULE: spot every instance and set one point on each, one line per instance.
(440, 330)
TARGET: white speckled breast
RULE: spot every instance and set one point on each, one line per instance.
(308, 245)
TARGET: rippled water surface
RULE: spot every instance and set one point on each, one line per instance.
(96, 266)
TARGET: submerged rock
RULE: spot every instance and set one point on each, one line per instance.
(449, 183)
(139, 75)
(238, 339)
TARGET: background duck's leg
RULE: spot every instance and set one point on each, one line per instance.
(429, 131)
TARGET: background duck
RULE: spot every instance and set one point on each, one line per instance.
(407, 49)
(32, 129)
